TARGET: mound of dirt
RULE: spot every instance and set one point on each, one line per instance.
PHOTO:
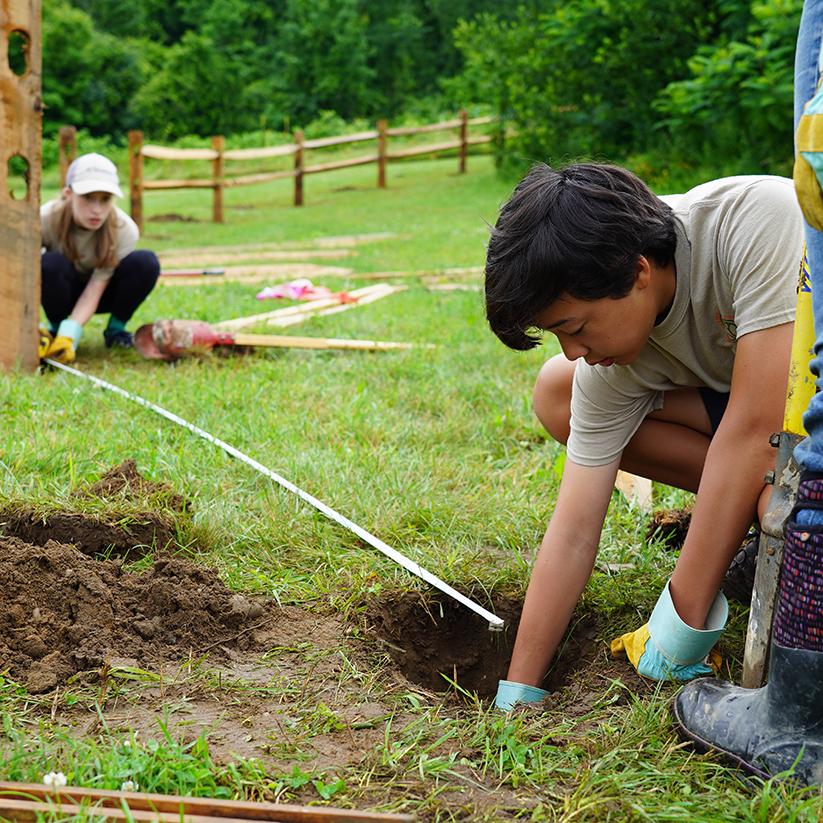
(63, 613)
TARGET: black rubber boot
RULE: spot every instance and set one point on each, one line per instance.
(739, 580)
(763, 731)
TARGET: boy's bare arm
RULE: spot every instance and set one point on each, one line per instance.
(562, 569)
(733, 477)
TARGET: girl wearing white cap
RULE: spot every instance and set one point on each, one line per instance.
(89, 265)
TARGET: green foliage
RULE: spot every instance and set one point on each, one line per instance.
(580, 81)
(89, 76)
(739, 98)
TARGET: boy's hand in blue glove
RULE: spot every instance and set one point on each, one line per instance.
(510, 693)
(666, 648)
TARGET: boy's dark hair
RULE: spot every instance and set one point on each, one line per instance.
(580, 231)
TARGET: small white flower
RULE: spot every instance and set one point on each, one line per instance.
(129, 786)
(55, 779)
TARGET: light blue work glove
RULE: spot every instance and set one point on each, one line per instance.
(510, 693)
(666, 648)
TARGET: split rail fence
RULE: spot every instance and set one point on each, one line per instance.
(219, 157)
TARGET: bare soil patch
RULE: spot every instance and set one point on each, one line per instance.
(284, 685)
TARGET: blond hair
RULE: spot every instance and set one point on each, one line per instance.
(105, 247)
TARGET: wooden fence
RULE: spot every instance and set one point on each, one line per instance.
(219, 156)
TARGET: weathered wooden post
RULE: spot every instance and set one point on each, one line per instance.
(66, 150)
(136, 177)
(298, 168)
(20, 128)
(464, 136)
(382, 128)
(218, 143)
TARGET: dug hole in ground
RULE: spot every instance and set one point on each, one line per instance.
(174, 643)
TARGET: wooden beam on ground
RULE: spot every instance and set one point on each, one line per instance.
(635, 489)
(295, 314)
(32, 802)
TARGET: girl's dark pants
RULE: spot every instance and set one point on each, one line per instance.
(132, 281)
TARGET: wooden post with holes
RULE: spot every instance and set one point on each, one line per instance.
(66, 150)
(136, 177)
(464, 133)
(382, 128)
(218, 143)
(20, 129)
(299, 137)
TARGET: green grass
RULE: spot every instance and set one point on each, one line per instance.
(434, 450)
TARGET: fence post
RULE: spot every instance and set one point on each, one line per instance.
(136, 177)
(464, 135)
(218, 143)
(20, 156)
(382, 128)
(66, 150)
(298, 168)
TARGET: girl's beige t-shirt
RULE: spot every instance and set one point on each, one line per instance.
(739, 248)
(127, 236)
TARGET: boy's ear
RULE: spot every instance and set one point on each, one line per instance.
(642, 273)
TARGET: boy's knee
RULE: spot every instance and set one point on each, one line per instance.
(552, 396)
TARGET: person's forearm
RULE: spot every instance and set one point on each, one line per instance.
(562, 569)
(89, 300)
(557, 581)
(726, 506)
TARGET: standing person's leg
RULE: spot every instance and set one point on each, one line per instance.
(131, 283)
(59, 287)
(767, 731)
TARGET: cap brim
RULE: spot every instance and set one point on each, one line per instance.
(88, 186)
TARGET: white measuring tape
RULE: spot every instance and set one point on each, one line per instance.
(495, 623)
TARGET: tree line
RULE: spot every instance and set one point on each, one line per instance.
(706, 79)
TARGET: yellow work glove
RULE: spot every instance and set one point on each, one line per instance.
(666, 648)
(65, 342)
(45, 342)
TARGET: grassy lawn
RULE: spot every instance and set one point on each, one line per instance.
(434, 450)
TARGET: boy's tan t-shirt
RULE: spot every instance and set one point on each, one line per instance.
(127, 236)
(739, 247)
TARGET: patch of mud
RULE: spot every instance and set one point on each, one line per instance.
(670, 526)
(63, 612)
(146, 520)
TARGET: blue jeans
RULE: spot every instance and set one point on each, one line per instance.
(807, 72)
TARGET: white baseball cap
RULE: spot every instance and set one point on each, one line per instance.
(93, 172)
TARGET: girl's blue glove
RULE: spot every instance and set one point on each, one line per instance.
(510, 693)
(667, 649)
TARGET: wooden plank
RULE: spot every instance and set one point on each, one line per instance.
(635, 489)
(366, 294)
(406, 131)
(144, 807)
(434, 147)
(341, 164)
(178, 184)
(324, 142)
(287, 341)
(20, 122)
(165, 153)
(261, 153)
(263, 177)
